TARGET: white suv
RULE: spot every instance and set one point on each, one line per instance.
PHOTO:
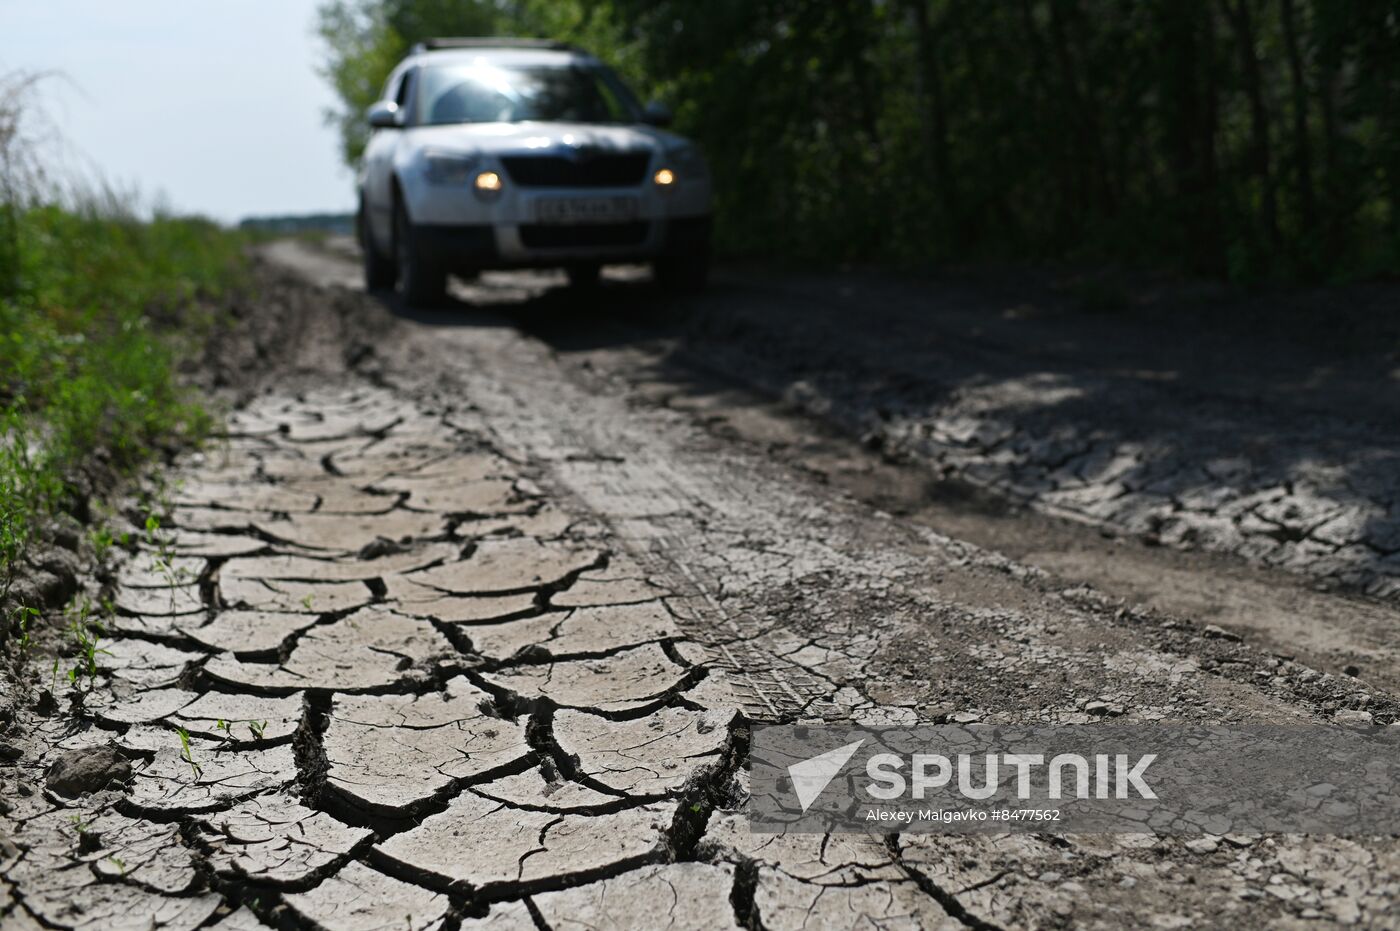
(501, 153)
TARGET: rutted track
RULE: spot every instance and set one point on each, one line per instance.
(484, 633)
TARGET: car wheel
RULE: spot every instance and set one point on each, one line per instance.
(379, 268)
(583, 276)
(422, 282)
(683, 273)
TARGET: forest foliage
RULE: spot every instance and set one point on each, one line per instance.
(1248, 139)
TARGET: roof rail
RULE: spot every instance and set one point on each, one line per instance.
(431, 45)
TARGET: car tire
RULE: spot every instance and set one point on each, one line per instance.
(379, 268)
(422, 281)
(583, 276)
(685, 274)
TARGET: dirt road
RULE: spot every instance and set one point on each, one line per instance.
(486, 604)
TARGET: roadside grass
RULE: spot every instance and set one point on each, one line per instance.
(97, 309)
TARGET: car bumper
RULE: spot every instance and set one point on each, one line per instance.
(477, 247)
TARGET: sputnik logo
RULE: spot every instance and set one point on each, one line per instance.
(811, 776)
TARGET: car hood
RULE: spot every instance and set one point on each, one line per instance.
(514, 138)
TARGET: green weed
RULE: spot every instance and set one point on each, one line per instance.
(20, 619)
(85, 634)
(96, 310)
(256, 728)
(186, 753)
(102, 541)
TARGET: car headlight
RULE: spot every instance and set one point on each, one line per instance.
(449, 168)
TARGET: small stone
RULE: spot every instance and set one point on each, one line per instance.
(45, 705)
(1220, 633)
(79, 772)
(380, 546)
(1351, 670)
(1203, 845)
(1352, 718)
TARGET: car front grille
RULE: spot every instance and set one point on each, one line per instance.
(617, 169)
(544, 236)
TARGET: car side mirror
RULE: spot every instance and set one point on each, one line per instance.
(384, 115)
(657, 114)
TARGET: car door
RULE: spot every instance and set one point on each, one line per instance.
(379, 160)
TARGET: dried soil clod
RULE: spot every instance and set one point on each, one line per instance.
(78, 772)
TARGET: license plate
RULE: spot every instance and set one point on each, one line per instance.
(571, 210)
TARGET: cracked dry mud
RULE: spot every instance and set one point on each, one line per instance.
(1252, 429)
(370, 692)
(466, 640)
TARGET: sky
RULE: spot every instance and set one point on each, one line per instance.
(209, 107)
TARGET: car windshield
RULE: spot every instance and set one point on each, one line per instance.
(475, 92)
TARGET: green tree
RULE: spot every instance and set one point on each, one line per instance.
(1246, 138)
